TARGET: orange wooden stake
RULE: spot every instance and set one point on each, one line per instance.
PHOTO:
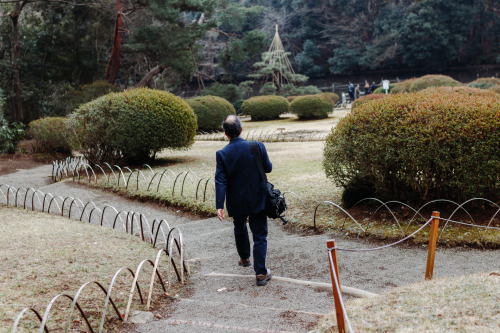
(337, 293)
(431, 254)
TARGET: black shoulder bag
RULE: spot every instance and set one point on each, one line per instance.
(275, 201)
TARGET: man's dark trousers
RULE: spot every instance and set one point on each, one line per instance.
(258, 226)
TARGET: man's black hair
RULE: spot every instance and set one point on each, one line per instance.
(232, 126)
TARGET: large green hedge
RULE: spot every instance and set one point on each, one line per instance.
(311, 107)
(427, 81)
(265, 107)
(133, 125)
(418, 146)
(51, 135)
(211, 111)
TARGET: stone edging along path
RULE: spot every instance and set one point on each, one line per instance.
(219, 300)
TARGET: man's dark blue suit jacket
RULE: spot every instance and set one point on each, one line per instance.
(237, 178)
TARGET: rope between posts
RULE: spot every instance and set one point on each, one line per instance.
(385, 246)
(468, 224)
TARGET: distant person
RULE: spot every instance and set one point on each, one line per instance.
(367, 88)
(239, 183)
(356, 92)
(351, 90)
(373, 87)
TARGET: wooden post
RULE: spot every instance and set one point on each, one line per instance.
(431, 254)
(337, 293)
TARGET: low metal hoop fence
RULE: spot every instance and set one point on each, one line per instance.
(134, 223)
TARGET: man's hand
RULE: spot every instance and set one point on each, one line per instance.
(220, 214)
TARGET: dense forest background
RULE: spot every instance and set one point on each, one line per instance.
(50, 49)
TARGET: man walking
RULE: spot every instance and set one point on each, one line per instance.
(238, 182)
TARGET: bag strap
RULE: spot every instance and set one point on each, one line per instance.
(254, 147)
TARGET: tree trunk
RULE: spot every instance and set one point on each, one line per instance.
(114, 59)
(16, 51)
(150, 75)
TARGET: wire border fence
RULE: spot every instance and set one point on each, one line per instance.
(74, 208)
(175, 183)
(204, 191)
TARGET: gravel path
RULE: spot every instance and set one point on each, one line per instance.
(235, 304)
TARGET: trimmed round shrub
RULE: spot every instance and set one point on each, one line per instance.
(211, 111)
(428, 81)
(484, 82)
(133, 125)
(417, 147)
(403, 86)
(311, 107)
(51, 135)
(265, 107)
(365, 99)
(331, 96)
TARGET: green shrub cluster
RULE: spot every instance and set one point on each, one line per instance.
(485, 82)
(292, 90)
(51, 135)
(311, 107)
(268, 88)
(237, 106)
(210, 111)
(133, 125)
(403, 86)
(428, 81)
(365, 99)
(229, 92)
(418, 147)
(10, 136)
(265, 107)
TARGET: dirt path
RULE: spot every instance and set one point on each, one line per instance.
(235, 304)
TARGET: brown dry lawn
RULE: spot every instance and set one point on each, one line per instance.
(44, 255)
(460, 304)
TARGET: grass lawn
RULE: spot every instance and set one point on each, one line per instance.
(291, 123)
(460, 304)
(44, 255)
